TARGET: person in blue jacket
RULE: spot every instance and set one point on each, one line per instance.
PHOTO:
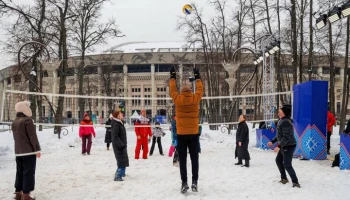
(174, 142)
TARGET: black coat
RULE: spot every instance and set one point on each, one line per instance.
(108, 137)
(285, 133)
(242, 135)
(119, 142)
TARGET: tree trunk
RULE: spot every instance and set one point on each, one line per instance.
(301, 42)
(344, 104)
(331, 75)
(294, 42)
(32, 86)
(311, 48)
(63, 72)
(81, 86)
(40, 98)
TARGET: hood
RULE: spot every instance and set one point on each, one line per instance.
(24, 107)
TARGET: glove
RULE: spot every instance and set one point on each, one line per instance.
(196, 73)
(173, 73)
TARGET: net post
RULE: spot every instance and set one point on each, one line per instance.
(3, 104)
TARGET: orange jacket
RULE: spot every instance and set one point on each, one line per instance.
(186, 108)
(330, 121)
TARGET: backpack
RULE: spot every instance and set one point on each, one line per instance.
(336, 160)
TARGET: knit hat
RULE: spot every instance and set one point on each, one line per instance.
(287, 110)
(186, 88)
(24, 107)
(86, 114)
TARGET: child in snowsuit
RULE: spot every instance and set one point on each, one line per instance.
(158, 133)
(174, 142)
(143, 131)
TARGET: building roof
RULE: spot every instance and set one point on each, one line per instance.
(137, 47)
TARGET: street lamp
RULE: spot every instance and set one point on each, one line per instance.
(345, 9)
(321, 21)
(334, 15)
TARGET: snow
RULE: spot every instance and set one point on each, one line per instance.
(63, 173)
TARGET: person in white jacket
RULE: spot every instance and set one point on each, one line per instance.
(157, 133)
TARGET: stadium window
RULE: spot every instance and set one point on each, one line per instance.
(326, 70)
(337, 70)
(139, 68)
(18, 78)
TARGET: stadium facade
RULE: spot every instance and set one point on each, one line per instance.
(136, 70)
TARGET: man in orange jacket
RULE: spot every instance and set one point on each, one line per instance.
(330, 124)
(187, 113)
(142, 130)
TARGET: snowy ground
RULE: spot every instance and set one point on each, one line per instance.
(63, 173)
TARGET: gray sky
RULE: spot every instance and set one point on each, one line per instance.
(139, 20)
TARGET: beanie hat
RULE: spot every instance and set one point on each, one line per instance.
(186, 88)
(157, 123)
(86, 114)
(287, 110)
(24, 107)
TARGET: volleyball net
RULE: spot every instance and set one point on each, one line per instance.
(214, 110)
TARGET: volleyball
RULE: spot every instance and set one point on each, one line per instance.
(187, 9)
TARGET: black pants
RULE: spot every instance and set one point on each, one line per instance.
(329, 134)
(25, 175)
(190, 142)
(159, 142)
(176, 156)
(108, 144)
(284, 162)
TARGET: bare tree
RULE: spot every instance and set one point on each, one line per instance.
(60, 15)
(311, 41)
(294, 41)
(345, 91)
(88, 32)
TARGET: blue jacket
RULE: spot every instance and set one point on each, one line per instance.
(173, 133)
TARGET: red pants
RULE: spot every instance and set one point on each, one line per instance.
(86, 147)
(144, 143)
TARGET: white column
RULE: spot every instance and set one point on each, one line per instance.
(154, 102)
(126, 92)
(342, 71)
(319, 71)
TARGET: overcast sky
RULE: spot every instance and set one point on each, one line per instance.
(139, 20)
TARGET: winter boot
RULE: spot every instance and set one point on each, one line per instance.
(18, 196)
(246, 163)
(184, 187)
(194, 186)
(27, 197)
(118, 179)
(296, 185)
(284, 181)
(107, 148)
(239, 162)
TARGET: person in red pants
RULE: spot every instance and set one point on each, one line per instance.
(85, 133)
(143, 131)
